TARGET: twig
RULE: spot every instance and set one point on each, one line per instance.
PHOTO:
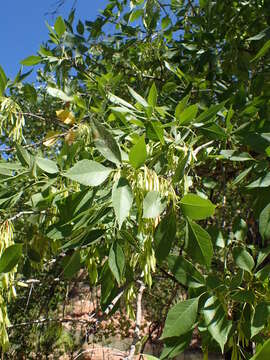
(92, 350)
(29, 296)
(199, 148)
(168, 275)
(47, 320)
(8, 150)
(137, 336)
(21, 213)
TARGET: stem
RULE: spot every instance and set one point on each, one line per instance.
(137, 337)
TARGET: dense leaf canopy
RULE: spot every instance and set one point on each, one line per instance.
(143, 146)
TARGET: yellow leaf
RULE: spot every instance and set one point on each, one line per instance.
(65, 116)
(51, 138)
(70, 137)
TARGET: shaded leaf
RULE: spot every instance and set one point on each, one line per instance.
(264, 223)
(117, 261)
(199, 245)
(184, 313)
(263, 352)
(210, 113)
(106, 143)
(259, 318)
(216, 320)
(262, 51)
(185, 272)
(10, 258)
(164, 236)
(175, 346)
(23, 155)
(243, 259)
(73, 265)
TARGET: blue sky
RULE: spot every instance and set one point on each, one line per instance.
(22, 26)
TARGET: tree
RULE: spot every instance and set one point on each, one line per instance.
(143, 147)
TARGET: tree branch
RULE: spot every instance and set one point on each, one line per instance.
(137, 336)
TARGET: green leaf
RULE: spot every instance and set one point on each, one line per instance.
(122, 199)
(118, 101)
(59, 94)
(138, 98)
(3, 81)
(199, 245)
(80, 27)
(117, 261)
(30, 93)
(187, 115)
(59, 26)
(262, 51)
(242, 175)
(233, 156)
(31, 60)
(106, 143)
(185, 272)
(181, 106)
(150, 357)
(107, 284)
(47, 165)
(181, 167)
(164, 236)
(158, 130)
(216, 321)
(73, 265)
(210, 113)
(165, 22)
(214, 132)
(262, 255)
(259, 318)
(88, 172)
(263, 353)
(263, 273)
(138, 153)
(244, 296)
(23, 155)
(175, 346)
(153, 205)
(181, 318)
(264, 223)
(152, 96)
(10, 258)
(196, 208)
(90, 238)
(261, 182)
(127, 235)
(243, 259)
(135, 15)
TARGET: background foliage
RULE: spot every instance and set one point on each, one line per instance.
(143, 148)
